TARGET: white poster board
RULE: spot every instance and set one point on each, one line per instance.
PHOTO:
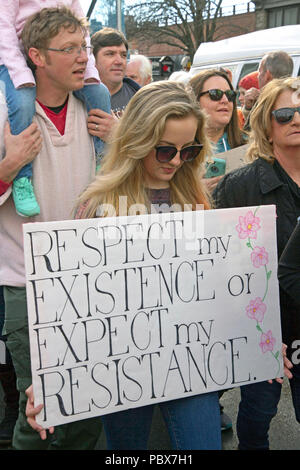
(130, 311)
(235, 158)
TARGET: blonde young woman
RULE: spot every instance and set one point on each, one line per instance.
(156, 156)
(139, 159)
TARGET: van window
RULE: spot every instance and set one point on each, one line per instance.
(248, 68)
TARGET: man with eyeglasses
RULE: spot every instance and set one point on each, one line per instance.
(17, 83)
(63, 168)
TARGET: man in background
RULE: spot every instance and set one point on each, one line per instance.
(277, 64)
(110, 49)
(139, 69)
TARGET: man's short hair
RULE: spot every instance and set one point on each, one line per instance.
(145, 65)
(279, 64)
(107, 37)
(44, 25)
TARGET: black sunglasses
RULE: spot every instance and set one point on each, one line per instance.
(285, 115)
(216, 95)
(166, 153)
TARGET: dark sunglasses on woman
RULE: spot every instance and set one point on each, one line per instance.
(285, 115)
(216, 95)
(166, 153)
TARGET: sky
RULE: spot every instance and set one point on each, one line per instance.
(86, 3)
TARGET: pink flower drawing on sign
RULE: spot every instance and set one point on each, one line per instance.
(259, 257)
(267, 341)
(256, 309)
(248, 226)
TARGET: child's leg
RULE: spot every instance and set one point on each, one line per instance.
(21, 109)
(95, 96)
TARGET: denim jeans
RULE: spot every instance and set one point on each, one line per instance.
(2, 312)
(2, 323)
(95, 96)
(7, 358)
(193, 424)
(21, 109)
(258, 406)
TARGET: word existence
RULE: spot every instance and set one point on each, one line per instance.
(130, 311)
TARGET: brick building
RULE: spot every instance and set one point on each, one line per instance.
(227, 26)
(256, 15)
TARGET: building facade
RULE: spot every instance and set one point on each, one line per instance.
(273, 13)
(240, 18)
(232, 21)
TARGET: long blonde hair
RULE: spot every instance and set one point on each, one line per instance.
(260, 142)
(135, 136)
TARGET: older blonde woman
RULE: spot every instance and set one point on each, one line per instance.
(272, 177)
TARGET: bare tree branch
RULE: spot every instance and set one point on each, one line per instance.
(181, 23)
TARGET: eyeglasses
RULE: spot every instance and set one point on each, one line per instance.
(285, 115)
(216, 95)
(166, 153)
(72, 50)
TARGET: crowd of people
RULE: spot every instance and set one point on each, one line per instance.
(68, 130)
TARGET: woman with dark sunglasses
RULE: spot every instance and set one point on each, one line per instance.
(273, 177)
(156, 156)
(217, 98)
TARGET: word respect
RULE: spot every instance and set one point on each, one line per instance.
(127, 243)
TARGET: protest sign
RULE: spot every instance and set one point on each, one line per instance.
(130, 311)
(235, 158)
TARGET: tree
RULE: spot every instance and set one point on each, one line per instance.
(182, 23)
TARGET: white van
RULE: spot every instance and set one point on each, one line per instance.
(242, 54)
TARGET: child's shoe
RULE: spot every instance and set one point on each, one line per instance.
(24, 198)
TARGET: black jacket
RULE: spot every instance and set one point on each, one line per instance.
(289, 266)
(258, 184)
